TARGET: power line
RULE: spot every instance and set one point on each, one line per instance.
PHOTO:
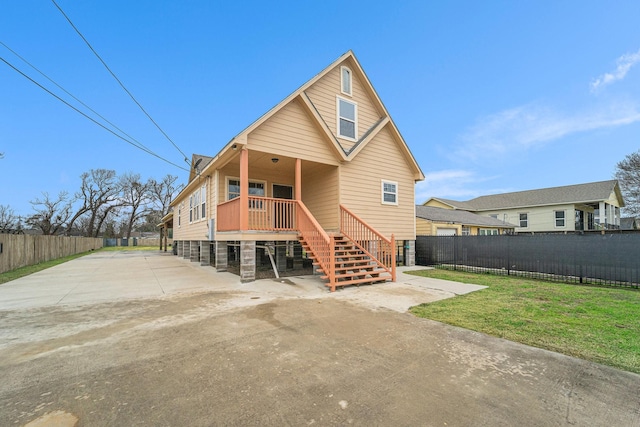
(75, 98)
(89, 117)
(118, 80)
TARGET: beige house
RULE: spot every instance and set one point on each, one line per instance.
(323, 177)
(581, 207)
(433, 221)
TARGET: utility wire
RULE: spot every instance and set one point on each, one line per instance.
(78, 100)
(87, 116)
(118, 80)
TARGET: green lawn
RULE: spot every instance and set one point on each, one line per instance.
(593, 323)
(30, 269)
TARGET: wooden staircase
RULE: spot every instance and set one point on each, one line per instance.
(359, 254)
(352, 265)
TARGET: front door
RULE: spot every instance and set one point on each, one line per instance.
(283, 212)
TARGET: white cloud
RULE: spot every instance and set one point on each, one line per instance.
(524, 127)
(624, 64)
(449, 184)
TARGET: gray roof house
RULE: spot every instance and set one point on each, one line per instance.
(432, 221)
(590, 206)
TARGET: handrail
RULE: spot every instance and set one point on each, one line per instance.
(369, 240)
(320, 243)
(264, 214)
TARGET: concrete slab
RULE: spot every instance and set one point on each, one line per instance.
(152, 339)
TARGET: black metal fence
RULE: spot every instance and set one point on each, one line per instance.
(609, 259)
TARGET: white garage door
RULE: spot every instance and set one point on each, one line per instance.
(446, 231)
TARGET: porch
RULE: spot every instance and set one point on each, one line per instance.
(356, 254)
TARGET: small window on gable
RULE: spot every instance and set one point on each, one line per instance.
(347, 119)
(345, 80)
(389, 193)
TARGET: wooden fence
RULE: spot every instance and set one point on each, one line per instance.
(21, 250)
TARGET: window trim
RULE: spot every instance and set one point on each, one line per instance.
(339, 117)
(556, 219)
(203, 201)
(383, 192)
(342, 80)
(254, 181)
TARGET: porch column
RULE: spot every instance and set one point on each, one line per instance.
(602, 214)
(221, 256)
(244, 189)
(161, 233)
(247, 261)
(410, 253)
(298, 181)
(195, 251)
(281, 256)
(205, 252)
(186, 253)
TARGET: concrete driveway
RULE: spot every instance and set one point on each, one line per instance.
(144, 338)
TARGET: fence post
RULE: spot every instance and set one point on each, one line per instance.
(455, 252)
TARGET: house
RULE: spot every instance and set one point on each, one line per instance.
(324, 177)
(590, 206)
(433, 221)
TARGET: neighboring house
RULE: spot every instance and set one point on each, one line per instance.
(630, 223)
(591, 206)
(432, 221)
(325, 171)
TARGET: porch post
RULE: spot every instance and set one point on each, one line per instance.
(244, 189)
(298, 179)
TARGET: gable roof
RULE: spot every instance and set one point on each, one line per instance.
(454, 204)
(198, 163)
(591, 192)
(458, 217)
(341, 153)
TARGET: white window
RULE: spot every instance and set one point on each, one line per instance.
(190, 209)
(489, 232)
(389, 193)
(179, 213)
(466, 231)
(196, 205)
(524, 220)
(347, 119)
(256, 188)
(559, 218)
(203, 201)
(345, 80)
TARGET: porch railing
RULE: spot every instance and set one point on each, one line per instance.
(368, 240)
(265, 214)
(321, 244)
(228, 216)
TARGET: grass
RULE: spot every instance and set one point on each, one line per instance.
(30, 269)
(593, 323)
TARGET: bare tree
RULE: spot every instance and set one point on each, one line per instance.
(628, 176)
(162, 193)
(50, 215)
(9, 221)
(135, 199)
(98, 194)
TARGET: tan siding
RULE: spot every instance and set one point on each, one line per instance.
(424, 227)
(437, 204)
(291, 132)
(323, 95)
(320, 195)
(361, 187)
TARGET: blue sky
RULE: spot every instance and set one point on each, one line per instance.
(490, 96)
